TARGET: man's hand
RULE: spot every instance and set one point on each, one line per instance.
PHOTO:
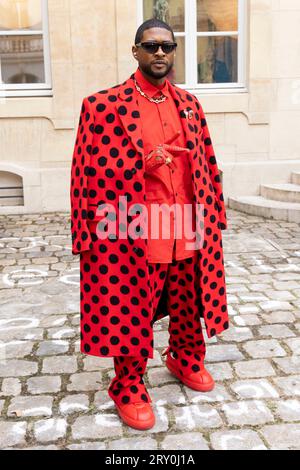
(163, 154)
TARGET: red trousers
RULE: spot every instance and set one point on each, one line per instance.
(186, 340)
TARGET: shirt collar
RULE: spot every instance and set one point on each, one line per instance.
(148, 87)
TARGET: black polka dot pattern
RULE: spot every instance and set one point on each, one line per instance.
(128, 384)
(186, 340)
(81, 239)
(176, 285)
(114, 281)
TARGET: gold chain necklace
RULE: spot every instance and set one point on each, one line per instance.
(153, 100)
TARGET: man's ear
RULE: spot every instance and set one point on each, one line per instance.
(134, 52)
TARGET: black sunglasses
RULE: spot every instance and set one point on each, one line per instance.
(152, 47)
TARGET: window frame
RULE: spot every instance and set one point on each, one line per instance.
(191, 35)
(32, 89)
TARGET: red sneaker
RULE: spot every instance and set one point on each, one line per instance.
(201, 381)
(137, 415)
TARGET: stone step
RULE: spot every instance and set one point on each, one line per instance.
(285, 192)
(269, 208)
(295, 177)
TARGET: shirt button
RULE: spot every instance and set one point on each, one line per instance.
(133, 171)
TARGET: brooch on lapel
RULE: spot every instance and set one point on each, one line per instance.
(189, 113)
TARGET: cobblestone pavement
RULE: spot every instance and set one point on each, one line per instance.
(54, 397)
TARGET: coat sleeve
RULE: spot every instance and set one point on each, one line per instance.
(81, 237)
(213, 169)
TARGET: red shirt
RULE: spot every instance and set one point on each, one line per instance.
(165, 185)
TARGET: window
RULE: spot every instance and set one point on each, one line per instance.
(210, 37)
(24, 48)
(11, 189)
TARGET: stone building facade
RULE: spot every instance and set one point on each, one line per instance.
(53, 53)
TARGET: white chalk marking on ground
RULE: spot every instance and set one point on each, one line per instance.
(293, 405)
(72, 278)
(38, 410)
(30, 276)
(34, 242)
(31, 323)
(59, 334)
(242, 407)
(207, 398)
(257, 389)
(64, 407)
(60, 425)
(106, 420)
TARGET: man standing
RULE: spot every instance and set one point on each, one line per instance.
(142, 143)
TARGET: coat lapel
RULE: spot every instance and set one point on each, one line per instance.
(128, 111)
(187, 119)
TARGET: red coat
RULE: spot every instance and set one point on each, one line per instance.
(114, 279)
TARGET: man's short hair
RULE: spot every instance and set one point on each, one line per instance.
(152, 23)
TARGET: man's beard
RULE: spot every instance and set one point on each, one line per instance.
(159, 74)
